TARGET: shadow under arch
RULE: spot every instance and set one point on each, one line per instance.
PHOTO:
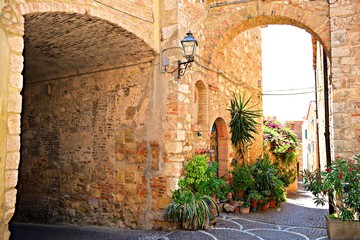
(129, 22)
(56, 42)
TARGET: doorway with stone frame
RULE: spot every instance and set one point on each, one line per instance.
(219, 146)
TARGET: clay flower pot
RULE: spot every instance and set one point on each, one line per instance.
(244, 210)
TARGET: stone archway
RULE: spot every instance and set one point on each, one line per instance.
(225, 20)
(140, 26)
(84, 102)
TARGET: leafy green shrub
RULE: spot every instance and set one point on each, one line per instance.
(191, 204)
(201, 177)
(267, 181)
(338, 185)
(242, 178)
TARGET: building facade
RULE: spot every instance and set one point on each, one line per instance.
(106, 129)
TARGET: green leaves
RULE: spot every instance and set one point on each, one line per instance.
(340, 182)
(192, 209)
(243, 124)
(191, 204)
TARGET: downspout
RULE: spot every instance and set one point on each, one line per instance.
(314, 42)
(326, 104)
(317, 126)
(327, 119)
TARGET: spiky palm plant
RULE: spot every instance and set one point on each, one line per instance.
(243, 124)
(192, 210)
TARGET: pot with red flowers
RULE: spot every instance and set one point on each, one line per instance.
(339, 186)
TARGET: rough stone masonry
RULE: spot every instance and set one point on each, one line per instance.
(104, 133)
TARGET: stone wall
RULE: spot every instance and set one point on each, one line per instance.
(345, 77)
(161, 24)
(11, 65)
(86, 158)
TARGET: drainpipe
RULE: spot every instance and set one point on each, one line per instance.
(327, 120)
(317, 126)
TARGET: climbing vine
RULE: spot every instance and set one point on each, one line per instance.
(284, 144)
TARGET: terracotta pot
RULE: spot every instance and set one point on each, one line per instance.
(240, 194)
(272, 203)
(265, 207)
(254, 204)
(337, 229)
(244, 210)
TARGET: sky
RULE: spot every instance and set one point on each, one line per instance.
(287, 64)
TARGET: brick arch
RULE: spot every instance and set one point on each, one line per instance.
(200, 103)
(223, 145)
(141, 27)
(223, 23)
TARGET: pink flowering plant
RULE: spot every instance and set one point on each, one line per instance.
(339, 186)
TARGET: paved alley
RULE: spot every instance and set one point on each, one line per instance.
(298, 218)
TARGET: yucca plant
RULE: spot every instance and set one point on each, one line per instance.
(243, 124)
(193, 211)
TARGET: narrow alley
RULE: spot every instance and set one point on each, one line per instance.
(298, 218)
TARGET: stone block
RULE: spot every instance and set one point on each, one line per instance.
(355, 120)
(162, 202)
(16, 80)
(338, 37)
(168, 31)
(13, 143)
(340, 51)
(174, 147)
(183, 88)
(14, 124)
(12, 160)
(16, 43)
(341, 120)
(173, 169)
(10, 198)
(16, 63)
(14, 103)
(9, 213)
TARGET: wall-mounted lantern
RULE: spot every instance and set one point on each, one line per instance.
(188, 46)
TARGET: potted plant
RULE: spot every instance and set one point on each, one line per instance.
(193, 211)
(192, 204)
(254, 196)
(242, 180)
(267, 180)
(339, 186)
(245, 208)
(264, 203)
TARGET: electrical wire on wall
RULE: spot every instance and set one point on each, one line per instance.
(287, 94)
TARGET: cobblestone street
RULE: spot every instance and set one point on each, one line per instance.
(298, 218)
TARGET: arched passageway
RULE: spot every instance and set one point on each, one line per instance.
(85, 94)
